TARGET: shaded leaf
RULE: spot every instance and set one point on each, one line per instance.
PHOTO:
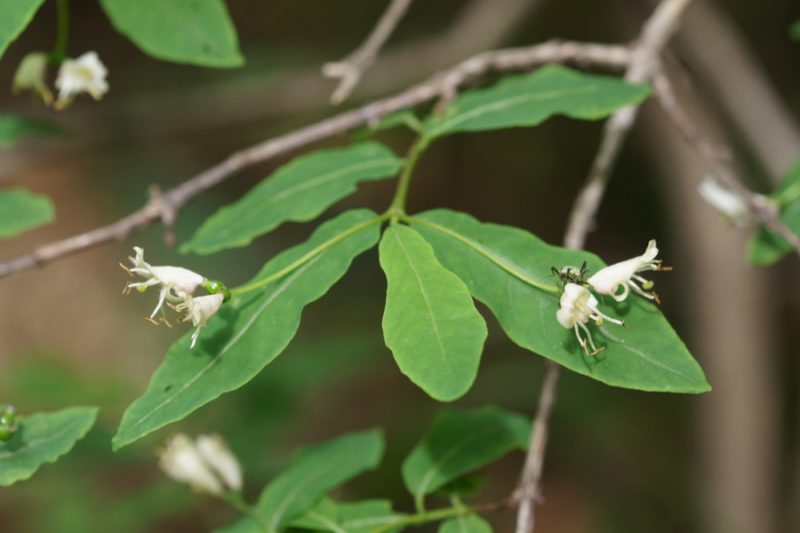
(349, 517)
(250, 330)
(466, 524)
(767, 247)
(459, 442)
(21, 210)
(502, 266)
(794, 31)
(299, 191)
(42, 438)
(12, 127)
(430, 322)
(528, 100)
(183, 31)
(314, 471)
(15, 15)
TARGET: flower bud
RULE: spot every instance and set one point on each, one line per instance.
(31, 74)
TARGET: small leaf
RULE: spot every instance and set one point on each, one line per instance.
(249, 331)
(430, 322)
(767, 247)
(199, 32)
(459, 442)
(529, 100)
(299, 191)
(794, 31)
(12, 127)
(42, 438)
(15, 15)
(21, 210)
(466, 524)
(508, 269)
(314, 471)
(357, 517)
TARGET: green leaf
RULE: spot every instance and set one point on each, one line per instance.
(42, 438)
(767, 247)
(199, 32)
(12, 127)
(459, 442)
(430, 322)
(21, 210)
(466, 524)
(794, 31)
(299, 191)
(464, 486)
(15, 15)
(529, 100)
(344, 517)
(508, 269)
(250, 330)
(314, 471)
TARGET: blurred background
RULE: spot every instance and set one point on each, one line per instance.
(618, 461)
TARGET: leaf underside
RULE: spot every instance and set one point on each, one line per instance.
(21, 210)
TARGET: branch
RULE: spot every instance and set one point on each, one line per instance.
(644, 62)
(350, 69)
(171, 201)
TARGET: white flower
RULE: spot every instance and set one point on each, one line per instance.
(183, 462)
(31, 74)
(216, 454)
(199, 310)
(729, 204)
(177, 283)
(85, 74)
(625, 274)
(578, 306)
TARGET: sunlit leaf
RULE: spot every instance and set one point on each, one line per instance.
(314, 471)
(430, 322)
(299, 191)
(459, 442)
(466, 524)
(502, 266)
(767, 247)
(528, 100)
(15, 15)
(21, 210)
(199, 32)
(42, 438)
(249, 331)
(353, 517)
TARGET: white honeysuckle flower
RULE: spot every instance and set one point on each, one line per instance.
(182, 461)
(215, 453)
(729, 204)
(31, 74)
(625, 274)
(177, 283)
(86, 74)
(577, 307)
(199, 310)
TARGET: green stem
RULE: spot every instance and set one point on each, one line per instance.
(425, 517)
(398, 205)
(488, 254)
(239, 503)
(59, 52)
(308, 256)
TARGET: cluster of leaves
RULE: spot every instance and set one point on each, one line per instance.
(766, 247)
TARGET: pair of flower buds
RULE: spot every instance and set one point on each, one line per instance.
(8, 422)
(178, 286)
(85, 74)
(205, 463)
(578, 305)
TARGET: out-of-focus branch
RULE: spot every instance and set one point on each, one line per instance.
(718, 160)
(645, 59)
(171, 201)
(350, 69)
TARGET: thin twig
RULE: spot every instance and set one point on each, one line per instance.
(644, 62)
(612, 57)
(350, 69)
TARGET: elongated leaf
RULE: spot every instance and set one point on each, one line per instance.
(315, 471)
(21, 210)
(12, 127)
(344, 517)
(459, 442)
(466, 524)
(529, 100)
(42, 438)
(249, 331)
(502, 266)
(199, 32)
(430, 322)
(767, 247)
(298, 191)
(15, 15)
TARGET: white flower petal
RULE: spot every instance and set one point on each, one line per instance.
(182, 462)
(216, 454)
